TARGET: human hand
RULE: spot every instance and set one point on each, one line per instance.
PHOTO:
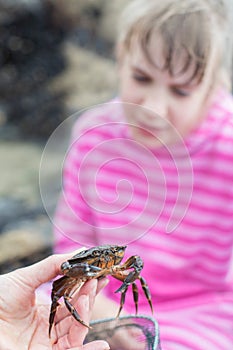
(24, 324)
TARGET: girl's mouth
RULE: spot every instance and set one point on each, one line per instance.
(153, 128)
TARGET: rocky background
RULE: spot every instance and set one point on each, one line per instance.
(56, 58)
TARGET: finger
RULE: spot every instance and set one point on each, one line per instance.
(89, 288)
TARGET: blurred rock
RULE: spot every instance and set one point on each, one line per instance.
(37, 54)
(20, 163)
(10, 209)
(3, 116)
(88, 79)
(30, 56)
(107, 28)
(25, 228)
(73, 13)
(11, 9)
(22, 247)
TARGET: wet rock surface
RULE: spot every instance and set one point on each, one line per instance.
(56, 59)
(25, 229)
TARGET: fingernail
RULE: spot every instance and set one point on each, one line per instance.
(102, 344)
(105, 282)
(107, 346)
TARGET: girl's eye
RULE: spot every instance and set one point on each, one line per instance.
(141, 78)
(180, 92)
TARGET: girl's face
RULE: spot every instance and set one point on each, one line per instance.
(161, 107)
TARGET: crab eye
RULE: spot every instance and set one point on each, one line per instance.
(65, 266)
(96, 253)
(115, 249)
(120, 248)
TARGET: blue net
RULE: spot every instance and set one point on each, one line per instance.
(127, 333)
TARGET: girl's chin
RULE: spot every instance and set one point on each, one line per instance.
(148, 140)
(153, 140)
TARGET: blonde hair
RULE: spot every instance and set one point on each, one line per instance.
(190, 30)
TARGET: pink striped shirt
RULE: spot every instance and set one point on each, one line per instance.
(172, 206)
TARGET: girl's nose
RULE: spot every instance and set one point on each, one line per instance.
(157, 105)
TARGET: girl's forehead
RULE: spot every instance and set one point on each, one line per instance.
(152, 56)
(139, 59)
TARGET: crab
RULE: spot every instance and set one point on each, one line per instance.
(97, 262)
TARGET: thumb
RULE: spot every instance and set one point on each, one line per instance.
(42, 271)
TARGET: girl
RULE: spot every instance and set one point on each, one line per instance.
(154, 169)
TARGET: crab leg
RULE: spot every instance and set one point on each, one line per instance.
(53, 310)
(122, 302)
(67, 285)
(146, 291)
(135, 297)
(73, 311)
(58, 289)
